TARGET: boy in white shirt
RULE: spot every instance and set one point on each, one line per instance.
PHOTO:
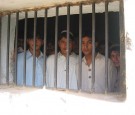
(99, 85)
(61, 64)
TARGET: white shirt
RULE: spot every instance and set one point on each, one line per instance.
(29, 69)
(61, 71)
(117, 82)
(99, 86)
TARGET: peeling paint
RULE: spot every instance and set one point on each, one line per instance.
(21, 5)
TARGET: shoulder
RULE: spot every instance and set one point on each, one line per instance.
(51, 57)
(74, 58)
(100, 57)
(73, 55)
(20, 55)
(20, 58)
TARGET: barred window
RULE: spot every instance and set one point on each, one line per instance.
(26, 33)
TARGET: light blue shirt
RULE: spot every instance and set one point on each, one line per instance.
(29, 69)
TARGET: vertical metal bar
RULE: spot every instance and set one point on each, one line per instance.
(122, 48)
(0, 45)
(8, 43)
(45, 40)
(56, 40)
(16, 44)
(34, 51)
(106, 46)
(93, 45)
(67, 57)
(25, 37)
(80, 48)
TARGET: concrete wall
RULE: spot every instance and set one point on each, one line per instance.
(32, 101)
(4, 48)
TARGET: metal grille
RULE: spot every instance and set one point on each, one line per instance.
(79, 79)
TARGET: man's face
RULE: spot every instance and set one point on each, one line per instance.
(115, 57)
(38, 43)
(87, 46)
(63, 46)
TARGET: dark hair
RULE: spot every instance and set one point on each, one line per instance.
(86, 34)
(30, 34)
(64, 34)
(89, 35)
(115, 47)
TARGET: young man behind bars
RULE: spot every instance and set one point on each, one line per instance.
(29, 62)
(99, 85)
(115, 57)
(61, 64)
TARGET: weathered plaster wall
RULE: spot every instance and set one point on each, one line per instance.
(4, 48)
(8, 6)
(31, 101)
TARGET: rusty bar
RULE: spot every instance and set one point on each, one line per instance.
(45, 40)
(56, 49)
(122, 48)
(34, 53)
(16, 44)
(93, 45)
(0, 45)
(80, 49)
(8, 43)
(106, 47)
(67, 57)
(25, 37)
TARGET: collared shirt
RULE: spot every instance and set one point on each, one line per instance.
(99, 86)
(29, 69)
(117, 82)
(61, 71)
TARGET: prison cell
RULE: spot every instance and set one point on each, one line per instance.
(56, 46)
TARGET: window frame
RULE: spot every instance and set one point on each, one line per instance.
(122, 49)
